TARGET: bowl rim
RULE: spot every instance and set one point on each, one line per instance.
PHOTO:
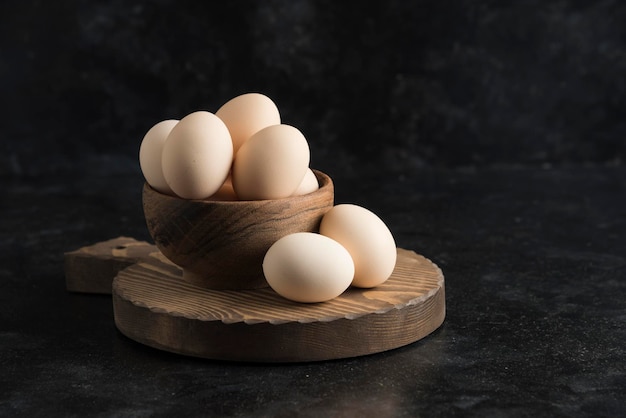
(324, 181)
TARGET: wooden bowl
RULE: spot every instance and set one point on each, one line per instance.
(221, 244)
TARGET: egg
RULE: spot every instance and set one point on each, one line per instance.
(197, 155)
(271, 164)
(308, 267)
(368, 240)
(308, 184)
(247, 114)
(150, 155)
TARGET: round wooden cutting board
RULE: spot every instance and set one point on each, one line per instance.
(154, 306)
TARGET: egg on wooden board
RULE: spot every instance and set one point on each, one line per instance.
(368, 240)
(309, 184)
(308, 267)
(150, 153)
(197, 155)
(247, 114)
(271, 163)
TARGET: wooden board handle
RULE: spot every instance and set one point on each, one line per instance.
(92, 269)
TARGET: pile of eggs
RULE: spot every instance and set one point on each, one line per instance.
(194, 158)
(244, 152)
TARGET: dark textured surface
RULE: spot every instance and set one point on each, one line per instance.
(488, 135)
(398, 84)
(534, 264)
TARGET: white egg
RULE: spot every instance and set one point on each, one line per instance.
(247, 114)
(197, 156)
(309, 184)
(271, 164)
(150, 153)
(368, 240)
(308, 267)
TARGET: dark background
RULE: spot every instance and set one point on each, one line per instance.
(489, 135)
(394, 84)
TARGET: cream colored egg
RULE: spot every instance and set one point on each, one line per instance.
(247, 114)
(309, 184)
(150, 155)
(271, 164)
(197, 155)
(308, 267)
(368, 240)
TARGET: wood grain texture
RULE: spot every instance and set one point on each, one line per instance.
(91, 269)
(221, 244)
(154, 306)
